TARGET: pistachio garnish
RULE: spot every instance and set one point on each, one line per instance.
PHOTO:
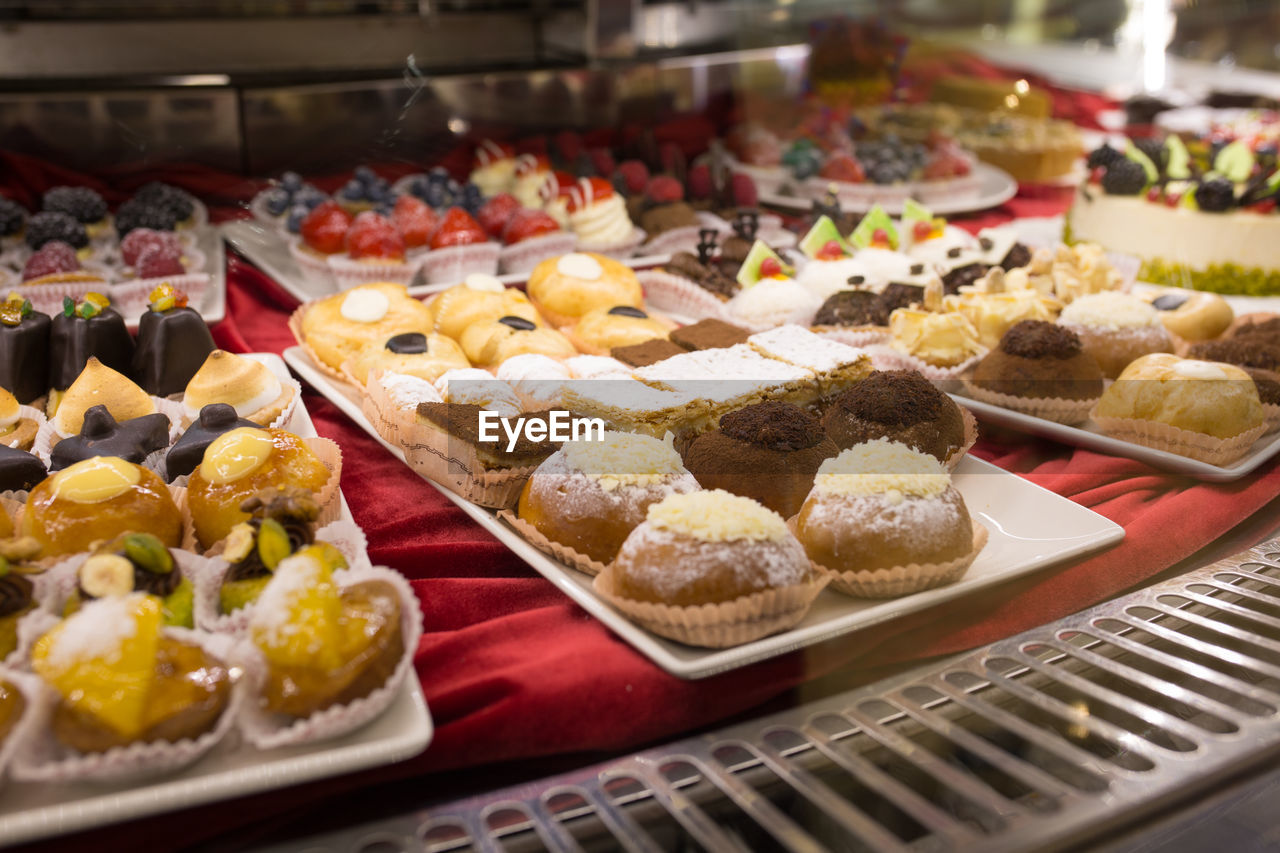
(148, 553)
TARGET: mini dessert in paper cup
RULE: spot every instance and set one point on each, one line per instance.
(313, 267)
(23, 436)
(683, 239)
(970, 439)
(673, 294)
(455, 263)
(26, 590)
(620, 250)
(887, 358)
(462, 473)
(391, 401)
(133, 296)
(1195, 445)
(1056, 409)
(905, 580)
(552, 549)
(310, 677)
(349, 272)
(115, 700)
(295, 326)
(522, 257)
(48, 292)
(98, 425)
(19, 692)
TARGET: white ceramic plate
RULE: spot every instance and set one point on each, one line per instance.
(1029, 527)
(270, 253)
(32, 810)
(997, 187)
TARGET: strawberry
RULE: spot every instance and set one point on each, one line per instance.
(325, 228)
(373, 235)
(457, 229)
(528, 163)
(53, 257)
(664, 189)
(743, 190)
(635, 176)
(495, 213)
(589, 191)
(842, 167)
(140, 239)
(700, 185)
(602, 160)
(415, 220)
(527, 224)
(159, 261)
(770, 267)
(1264, 206)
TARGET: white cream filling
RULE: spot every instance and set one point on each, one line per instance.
(365, 305)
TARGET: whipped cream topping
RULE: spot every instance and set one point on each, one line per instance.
(624, 459)
(578, 265)
(365, 305)
(602, 223)
(882, 467)
(484, 282)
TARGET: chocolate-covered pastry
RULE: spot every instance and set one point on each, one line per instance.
(19, 470)
(900, 405)
(173, 342)
(88, 328)
(649, 352)
(188, 451)
(1037, 359)
(24, 349)
(708, 276)
(709, 334)
(853, 308)
(1018, 256)
(898, 295)
(102, 435)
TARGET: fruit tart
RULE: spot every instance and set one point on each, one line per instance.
(321, 234)
(135, 562)
(530, 237)
(459, 247)
(374, 250)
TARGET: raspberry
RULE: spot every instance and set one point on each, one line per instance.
(743, 190)
(1103, 156)
(700, 184)
(1216, 196)
(496, 211)
(80, 203)
(1124, 177)
(49, 226)
(635, 176)
(158, 261)
(139, 240)
(12, 217)
(53, 257)
(664, 189)
(603, 162)
(843, 168)
(373, 235)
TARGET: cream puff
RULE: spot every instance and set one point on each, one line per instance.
(480, 298)
(570, 286)
(410, 354)
(602, 329)
(489, 344)
(339, 327)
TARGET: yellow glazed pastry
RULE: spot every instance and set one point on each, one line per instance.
(943, 340)
(1207, 397)
(490, 344)
(96, 499)
(338, 327)
(602, 329)
(15, 430)
(246, 385)
(569, 286)
(409, 354)
(1193, 315)
(239, 464)
(99, 385)
(480, 298)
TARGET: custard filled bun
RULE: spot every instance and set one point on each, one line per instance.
(479, 299)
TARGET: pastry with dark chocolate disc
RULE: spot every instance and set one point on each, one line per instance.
(24, 349)
(84, 330)
(649, 352)
(899, 405)
(709, 334)
(853, 308)
(602, 329)
(769, 452)
(19, 470)
(1040, 360)
(102, 435)
(188, 451)
(173, 342)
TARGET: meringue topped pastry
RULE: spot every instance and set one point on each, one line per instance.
(99, 385)
(242, 383)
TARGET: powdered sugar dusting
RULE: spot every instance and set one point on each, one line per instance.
(769, 564)
(623, 458)
(97, 630)
(801, 347)
(1110, 310)
(579, 496)
(406, 391)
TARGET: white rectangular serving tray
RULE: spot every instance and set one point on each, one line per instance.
(1030, 528)
(270, 253)
(30, 811)
(213, 307)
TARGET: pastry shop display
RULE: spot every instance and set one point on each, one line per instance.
(945, 341)
(1116, 328)
(491, 343)
(1206, 410)
(1042, 369)
(769, 452)
(411, 354)
(770, 296)
(133, 439)
(18, 426)
(135, 562)
(98, 499)
(529, 237)
(173, 341)
(646, 353)
(24, 349)
(603, 329)
(566, 288)
(20, 471)
(589, 495)
(900, 406)
(85, 330)
(864, 522)
(341, 326)
(708, 334)
(598, 215)
(477, 299)
(99, 385)
(281, 522)
(213, 420)
(245, 384)
(458, 247)
(17, 591)
(713, 569)
(241, 463)
(1193, 315)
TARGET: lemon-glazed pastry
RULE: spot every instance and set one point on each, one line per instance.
(15, 430)
(281, 522)
(478, 299)
(570, 286)
(339, 327)
(246, 385)
(99, 385)
(135, 562)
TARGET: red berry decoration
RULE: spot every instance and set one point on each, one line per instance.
(1154, 193)
(526, 225)
(830, 251)
(587, 192)
(495, 213)
(880, 237)
(664, 190)
(744, 190)
(374, 236)
(159, 261)
(140, 239)
(51, 258)
(569, 144)
(1264, 206)
(770, 267)
(700, 185)
(602, 161)
(635, 176)
(457, 229)
(843, 168)
(415, 220)
(325, 228)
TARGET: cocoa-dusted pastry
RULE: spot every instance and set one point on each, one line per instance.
(898, 295)
(247, 385)
(17, 592)
(1040, 359)
(853, 308)
(82, 331)
(173, 341)
(281, 522)
(186, 453)
(709, 334)
(707, 275)
(1245, 351)
(135, 562)
(900, 405)
(19, 470)
(103, 435)
(649, 352)
(15, 430)
(768, 452)
(99, 385)
(1266, 329)
(24, 349)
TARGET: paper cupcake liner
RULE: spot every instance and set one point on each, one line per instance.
(904, 580)
(350, 273)
(266, 416)
(133, 296)
(885, 357)
(1272, 411)
(570, 557)
(48, 435)
(683, 239)
(524, 256)
(30, 420)
(315, 269)
(267, 731)
(25, 729)
(389, 420)
(455, 263)
(717, 626)
(42, 759)
(193, 261)
(295, 326)
(969, 440)
(1056, 409)
(677, 295)
(427, 450)
(47, 298)
(1195, 445)
(854, 336)
(619, 251)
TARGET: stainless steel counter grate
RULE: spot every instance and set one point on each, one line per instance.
(1037, 742)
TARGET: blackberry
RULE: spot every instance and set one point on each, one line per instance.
(1216, 195)
(1124, 177)
(81, 203)
(12, 217)
(137, 213)
(173, 199)
(1103, 156)
(51, 225)
(1154, 149)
